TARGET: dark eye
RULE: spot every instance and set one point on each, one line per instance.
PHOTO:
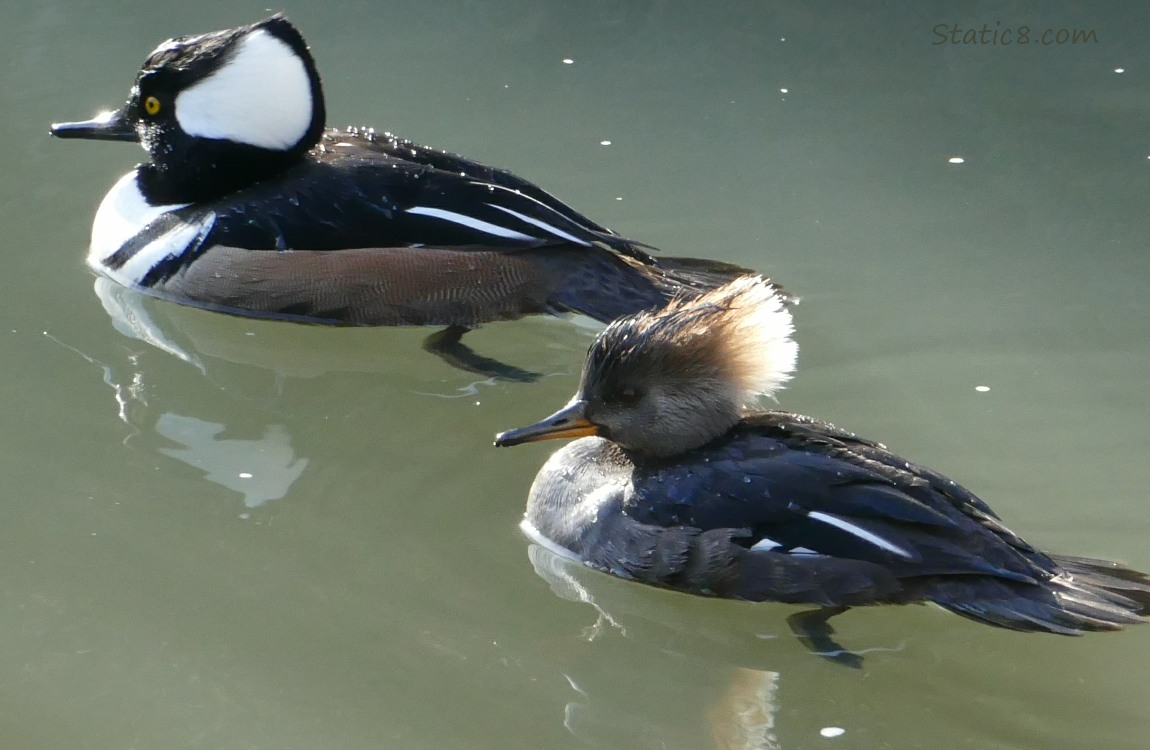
(628, 396)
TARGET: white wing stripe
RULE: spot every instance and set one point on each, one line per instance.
(470, 222)
(861, 533)
(542, 225)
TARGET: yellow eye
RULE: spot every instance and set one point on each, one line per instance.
(152, 105)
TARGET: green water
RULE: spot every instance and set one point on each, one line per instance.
(254, 535)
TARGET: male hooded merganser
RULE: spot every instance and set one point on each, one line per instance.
(684, 487)
(250, 206)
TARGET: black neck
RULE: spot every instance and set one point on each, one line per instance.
(220, 168)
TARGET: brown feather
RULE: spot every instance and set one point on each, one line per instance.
(367, 286)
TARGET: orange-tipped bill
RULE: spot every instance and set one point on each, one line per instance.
(569, 421)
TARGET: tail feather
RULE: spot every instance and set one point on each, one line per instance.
(1083, 595)
(703, 275)
(1125, 589)
(605, 285)
(1109, 575)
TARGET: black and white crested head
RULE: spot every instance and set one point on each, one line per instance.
(217, 112)
(254, 85)
(667, 381)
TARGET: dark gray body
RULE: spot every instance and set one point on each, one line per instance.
(692, 522)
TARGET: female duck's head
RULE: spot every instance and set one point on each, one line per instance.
(666, 381)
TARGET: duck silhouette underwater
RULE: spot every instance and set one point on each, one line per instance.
(250, 206)
(674, 482)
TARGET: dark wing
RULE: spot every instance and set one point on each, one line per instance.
(795, 510)
(465, 194)
(445, 161)
(805, 489)
(919, 481)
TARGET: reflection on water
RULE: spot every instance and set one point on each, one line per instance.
(129, 316)
(746, 670)
(741, 717)
(261, 470)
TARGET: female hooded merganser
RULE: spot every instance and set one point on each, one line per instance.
(684, 487)
(250, 206)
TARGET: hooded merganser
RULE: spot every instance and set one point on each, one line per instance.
(682, 486)
(250, 206)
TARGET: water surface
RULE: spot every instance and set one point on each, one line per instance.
(242, 534)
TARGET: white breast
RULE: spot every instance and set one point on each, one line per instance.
(121, 216)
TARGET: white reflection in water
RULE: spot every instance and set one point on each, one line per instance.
(130, 318)
(260, 470)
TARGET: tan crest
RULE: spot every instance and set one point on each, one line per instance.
(741, 330)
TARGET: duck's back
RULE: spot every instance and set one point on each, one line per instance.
(356, 234)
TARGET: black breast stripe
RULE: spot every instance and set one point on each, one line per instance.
(154, 230)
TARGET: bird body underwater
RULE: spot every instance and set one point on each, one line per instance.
(250, 205)
(676, 483)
